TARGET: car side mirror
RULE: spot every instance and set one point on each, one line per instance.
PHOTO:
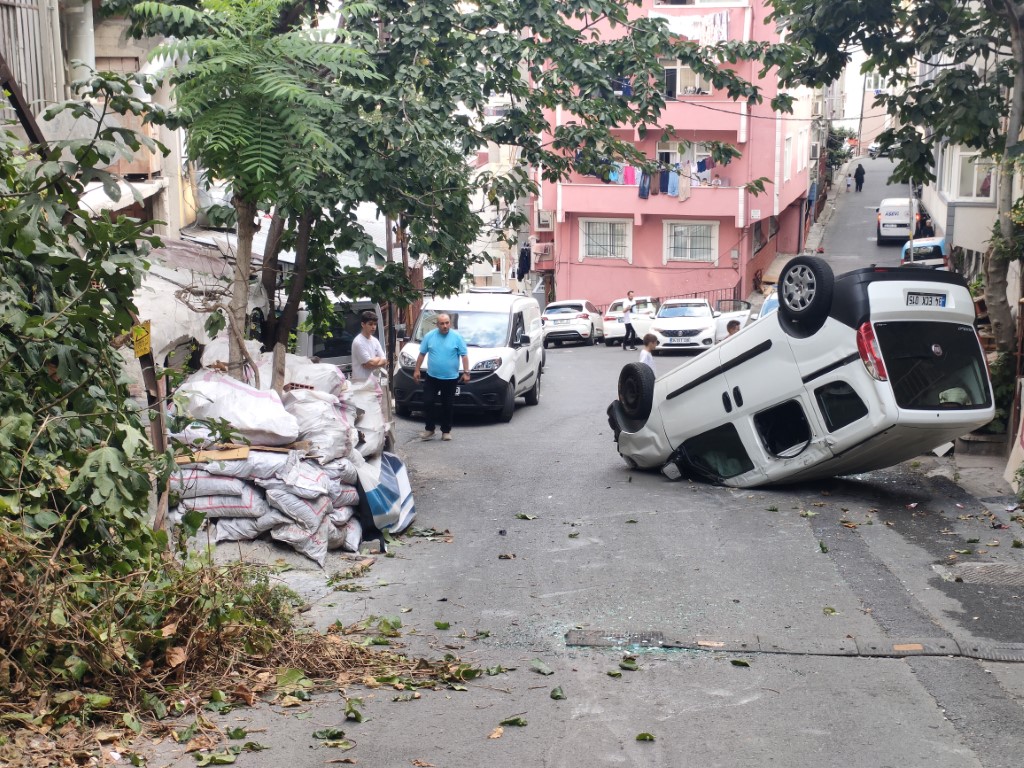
(524, 339)
(715, 313)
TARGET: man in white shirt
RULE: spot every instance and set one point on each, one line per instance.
(367, 353)
(627, 318)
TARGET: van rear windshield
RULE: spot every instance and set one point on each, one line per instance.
(934, 366)
(478, 329)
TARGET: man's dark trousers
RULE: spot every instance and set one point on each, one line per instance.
(439, 399)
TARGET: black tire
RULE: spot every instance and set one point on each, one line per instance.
(805, 292)
(508, 408)
(609, 342)
(533, 396)
(546, 343)
(636, 394)
(590, 338)
(403, 410)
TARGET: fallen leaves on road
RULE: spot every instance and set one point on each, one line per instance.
(496, 733)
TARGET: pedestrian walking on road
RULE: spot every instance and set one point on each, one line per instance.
(367, 352)
(627, 318)
(858, 176)
(647, 353)
(849, 182)
(446, 349)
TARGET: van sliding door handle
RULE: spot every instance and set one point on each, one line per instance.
(726, 402)
(737, 397)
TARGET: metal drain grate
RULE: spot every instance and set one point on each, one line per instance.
(1002, 574)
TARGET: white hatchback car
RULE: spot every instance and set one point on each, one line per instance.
(692, 325)
(644, 310)
(574, 320)
(850, 374)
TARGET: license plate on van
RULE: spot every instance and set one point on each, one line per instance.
(926, 299)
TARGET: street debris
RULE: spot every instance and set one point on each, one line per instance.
(316, 456)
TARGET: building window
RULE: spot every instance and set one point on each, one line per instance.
(606, 239)
(977, 178)
(874, 82)
(691, 241)
(680, 80)
(787, 159)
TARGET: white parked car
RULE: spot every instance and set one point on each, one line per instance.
(646, 307)
(691, 324)
(849, 375)
(574, 320)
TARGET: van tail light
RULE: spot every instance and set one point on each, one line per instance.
(867, 345)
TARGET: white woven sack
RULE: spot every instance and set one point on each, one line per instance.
(257, 415)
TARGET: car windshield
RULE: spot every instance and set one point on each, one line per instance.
(685, 310)
(478, 329)
(563, 309)
(934, 366)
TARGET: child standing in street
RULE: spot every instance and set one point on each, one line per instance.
(647, 353)
(849, 182)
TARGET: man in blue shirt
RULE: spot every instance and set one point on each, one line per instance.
(446, 349)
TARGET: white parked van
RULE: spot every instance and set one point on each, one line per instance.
(503, 335)
(896, 216)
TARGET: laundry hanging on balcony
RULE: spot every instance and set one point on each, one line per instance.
(684, 183)
(645, 185)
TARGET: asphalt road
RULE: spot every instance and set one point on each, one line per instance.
(820, 591)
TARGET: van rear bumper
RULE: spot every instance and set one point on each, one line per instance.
(483, 393)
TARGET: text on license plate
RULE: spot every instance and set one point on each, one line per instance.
(926, 299)
(892, 226)
(561, 322)
(678, 341)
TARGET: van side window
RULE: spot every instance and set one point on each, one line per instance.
(783, 430)
(518, 327)
(719, 452)
(840, 405)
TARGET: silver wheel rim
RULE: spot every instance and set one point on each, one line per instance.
(799, 287)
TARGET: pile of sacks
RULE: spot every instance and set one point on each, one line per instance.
(315, 498)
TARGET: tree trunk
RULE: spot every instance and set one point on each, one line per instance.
(270, 277)
(238, 309)
(290, 313)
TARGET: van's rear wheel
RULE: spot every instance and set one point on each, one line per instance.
(805, 292)
(636, 393)
(533, 396)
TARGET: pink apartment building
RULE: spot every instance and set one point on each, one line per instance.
(599, 239)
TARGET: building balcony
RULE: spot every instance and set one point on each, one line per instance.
(706, 113)
(597, 199)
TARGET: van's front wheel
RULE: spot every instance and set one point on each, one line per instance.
(533, 396)
(508, 408)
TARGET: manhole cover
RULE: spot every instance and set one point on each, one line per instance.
(989, 573)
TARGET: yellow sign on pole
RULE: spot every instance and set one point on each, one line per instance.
(141, 339)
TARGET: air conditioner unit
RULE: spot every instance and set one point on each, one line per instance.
(542, 251)
(545, 221)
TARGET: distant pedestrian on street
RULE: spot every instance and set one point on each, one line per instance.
(858, 176)
(849, 182)
(446, 349)
(627, 318)
(647, 353)
(367, 353)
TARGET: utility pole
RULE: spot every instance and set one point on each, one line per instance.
(860, 122)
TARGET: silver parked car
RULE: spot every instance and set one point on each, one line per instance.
(850, 374)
